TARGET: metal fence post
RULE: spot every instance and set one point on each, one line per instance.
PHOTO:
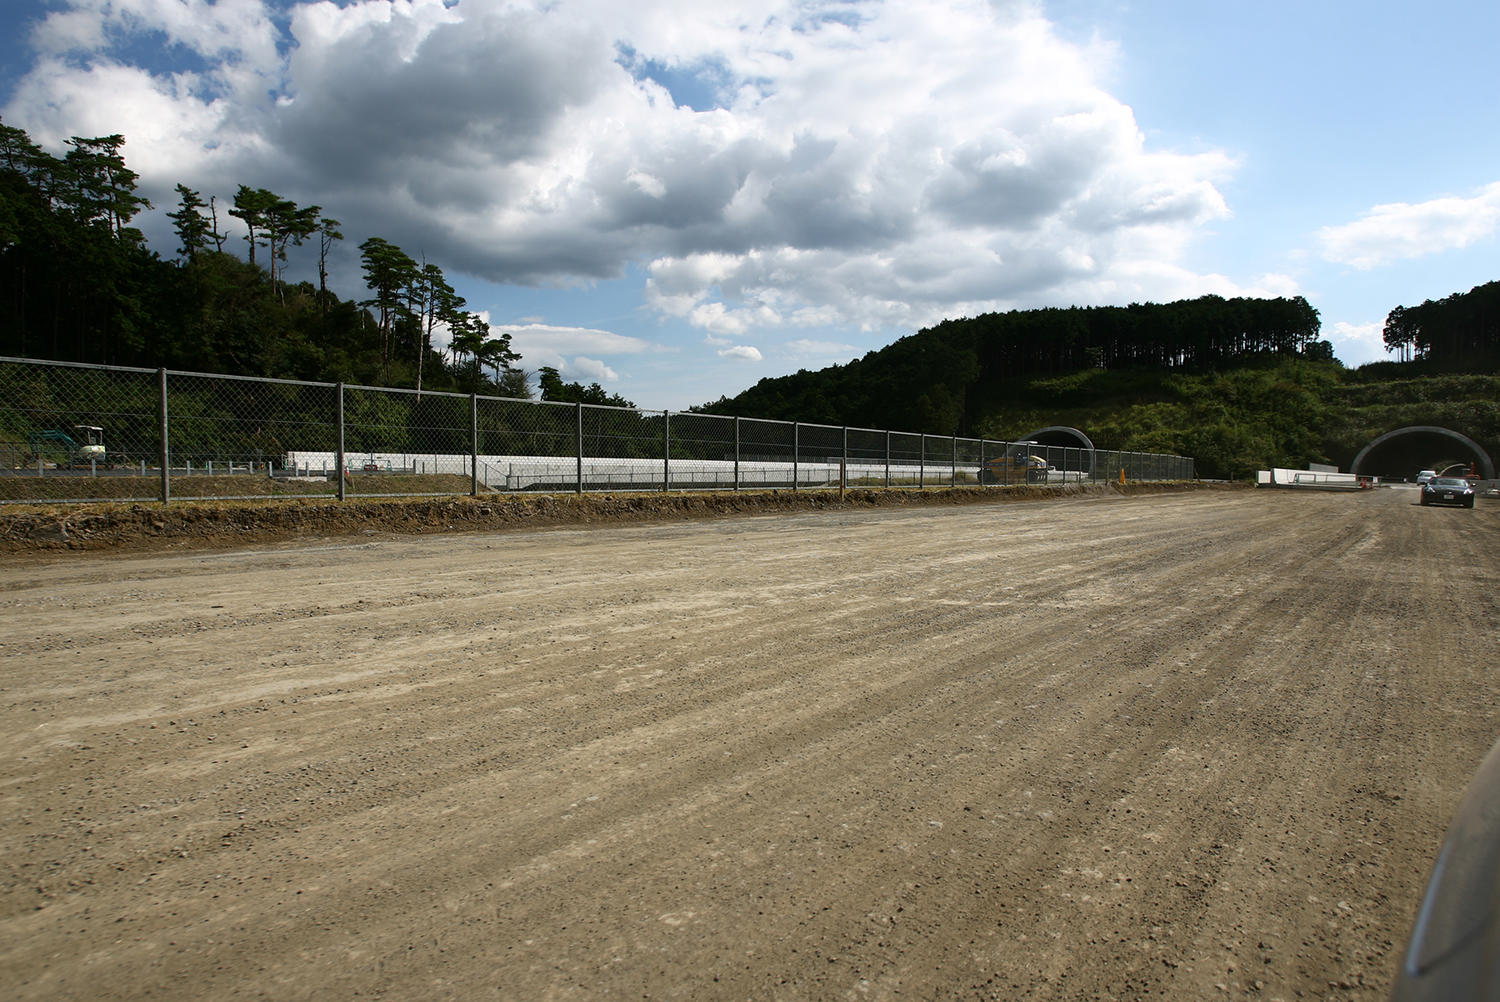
(953, 474)
(796, 452)
(888, 460)
(473, 445)
(579, 449)
(736, 453)
(340, 391)
(166, 451)
(666, 451)
(844, 464)
(921, 461)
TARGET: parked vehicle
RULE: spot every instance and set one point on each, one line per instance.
(1448, 490)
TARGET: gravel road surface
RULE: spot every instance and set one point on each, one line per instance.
(1183, 746)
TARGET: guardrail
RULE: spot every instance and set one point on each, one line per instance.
(72, 432)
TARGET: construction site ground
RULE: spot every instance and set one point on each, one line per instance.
(1164, 745)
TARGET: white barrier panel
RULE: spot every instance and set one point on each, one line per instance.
(519, 473)
(1312, 478)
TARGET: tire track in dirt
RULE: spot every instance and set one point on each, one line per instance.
(1109, 749)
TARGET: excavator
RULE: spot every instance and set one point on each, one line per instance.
(80, 446)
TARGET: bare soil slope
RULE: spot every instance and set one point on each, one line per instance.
(1175, 746)
(209, 523)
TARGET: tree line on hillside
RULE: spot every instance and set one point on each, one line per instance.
(1458, 330)
(79, 283)
(931, 380)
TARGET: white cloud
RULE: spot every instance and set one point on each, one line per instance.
(164, 126)
(1400, 231)
(79, 30)
(1356, 344)
(742, 353)
(879, 165)
(803, 347)
(235, 39)
(241, 28)
(541, 344)
(566, 340)
(591, 370)
(648, 183)
(563, 349)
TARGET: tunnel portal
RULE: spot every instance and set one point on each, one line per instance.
(1400, 454)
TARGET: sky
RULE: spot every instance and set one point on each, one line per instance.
(675, 199)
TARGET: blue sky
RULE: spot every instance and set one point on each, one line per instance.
(676, 199)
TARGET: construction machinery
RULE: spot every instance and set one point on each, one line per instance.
(1015, 468)
(80, 446)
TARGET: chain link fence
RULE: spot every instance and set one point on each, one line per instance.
(71, 432)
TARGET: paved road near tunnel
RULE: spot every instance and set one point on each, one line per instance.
(1178, 746)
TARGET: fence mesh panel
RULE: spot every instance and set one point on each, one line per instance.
(819, 449)
(906, 460)
(937, 460)
(767, 452)
(969, 453)
(232, 438)
(868, 458)
(400, 442)
(78, 433)
(73, 432)
(703, 451)
(623, 449)
(526, 446)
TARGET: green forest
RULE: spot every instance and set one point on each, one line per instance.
(1238, 384)
(943, 379)
(78, 283)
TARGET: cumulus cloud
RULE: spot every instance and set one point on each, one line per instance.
(563, 349)
(234, 33)
(1356, 344)
(741, 353)
(592, 370)
(869, 165)
(1401, 231)
(805, 348)
(570, 339)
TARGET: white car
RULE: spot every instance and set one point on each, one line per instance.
(1425, 476)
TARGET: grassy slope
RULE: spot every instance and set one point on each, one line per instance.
(1275, 412)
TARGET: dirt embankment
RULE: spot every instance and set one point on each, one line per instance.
(228, 523)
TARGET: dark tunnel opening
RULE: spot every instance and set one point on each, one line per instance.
(1401, 454)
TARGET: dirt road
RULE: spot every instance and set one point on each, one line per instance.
(1185, 746)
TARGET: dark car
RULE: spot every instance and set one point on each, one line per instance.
(1448, 490)
(1456, 939)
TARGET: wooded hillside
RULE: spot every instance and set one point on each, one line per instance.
(1239, 385)
(942, 380)
(78, 283)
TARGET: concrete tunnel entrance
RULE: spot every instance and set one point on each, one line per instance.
(1401, 453)
(1081, 449)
